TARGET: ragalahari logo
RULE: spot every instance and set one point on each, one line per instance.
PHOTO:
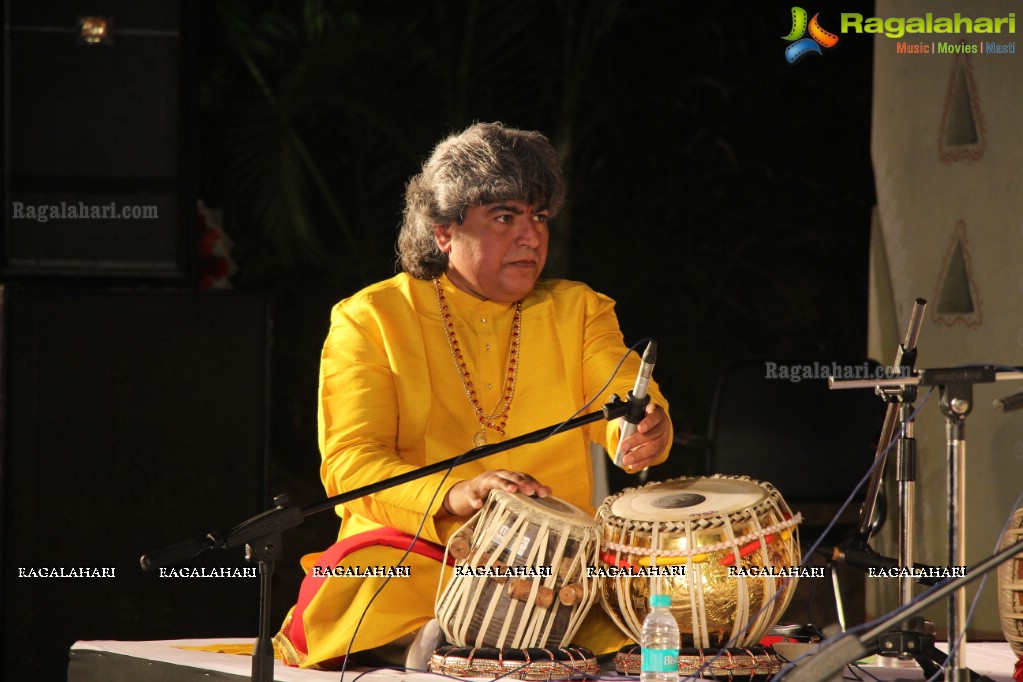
(801, 46)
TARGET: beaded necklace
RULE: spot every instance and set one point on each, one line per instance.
(497, 419)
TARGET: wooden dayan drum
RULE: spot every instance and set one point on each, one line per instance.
(1010, 587)
(511, 537)
(706, 525)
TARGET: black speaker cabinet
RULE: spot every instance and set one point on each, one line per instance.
(100, 119)
(130, 421)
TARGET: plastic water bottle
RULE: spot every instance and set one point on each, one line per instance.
(660, 642)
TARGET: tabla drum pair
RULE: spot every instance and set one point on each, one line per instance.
(704, 525)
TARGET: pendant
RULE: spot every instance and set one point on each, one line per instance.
(480, 439)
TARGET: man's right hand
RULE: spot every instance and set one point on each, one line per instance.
(467, 497)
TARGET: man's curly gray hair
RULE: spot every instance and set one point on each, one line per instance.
(484, 164)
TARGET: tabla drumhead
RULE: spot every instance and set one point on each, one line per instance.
(549, 506)
(674, 500)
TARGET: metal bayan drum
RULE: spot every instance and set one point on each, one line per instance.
(706, 526)
(520, 578)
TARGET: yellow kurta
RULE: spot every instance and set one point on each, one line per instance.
(391, 400)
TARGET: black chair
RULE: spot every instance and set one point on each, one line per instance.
(771, 423)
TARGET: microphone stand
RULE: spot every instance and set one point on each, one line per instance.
(898, 397)
(848, 648)
(858, 552)
(262, 534)
(956, 386)
(905, 463)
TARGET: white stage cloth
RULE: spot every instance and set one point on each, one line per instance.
(100, 660)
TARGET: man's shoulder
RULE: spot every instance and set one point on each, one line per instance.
(567, 292)
(394, 287)
(387, 295)
(562, 287)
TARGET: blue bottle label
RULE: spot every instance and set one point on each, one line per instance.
(660, 661)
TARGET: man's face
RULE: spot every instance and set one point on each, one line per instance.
(498, 251)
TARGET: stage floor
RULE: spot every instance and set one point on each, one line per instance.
(165, 661)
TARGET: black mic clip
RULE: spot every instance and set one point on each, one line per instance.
(636, 408)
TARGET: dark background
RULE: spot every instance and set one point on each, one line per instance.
(719, 194)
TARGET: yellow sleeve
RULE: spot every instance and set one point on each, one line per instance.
(603, 347)
(358, 425)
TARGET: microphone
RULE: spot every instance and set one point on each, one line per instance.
(176, 552)
(1009, 403)
(638, 399)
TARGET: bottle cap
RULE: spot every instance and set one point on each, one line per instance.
(660, 600)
